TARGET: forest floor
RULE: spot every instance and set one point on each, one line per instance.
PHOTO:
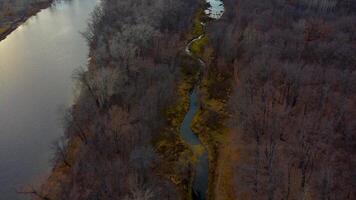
(10, 21)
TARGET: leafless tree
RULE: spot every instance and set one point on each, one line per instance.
(60, 151)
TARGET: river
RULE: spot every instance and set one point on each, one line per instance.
(36, 63)
(200, 182)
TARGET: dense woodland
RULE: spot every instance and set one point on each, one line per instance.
(108, 150)
(280, 72)
(293, 103)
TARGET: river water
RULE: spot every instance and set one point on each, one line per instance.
(200, 182)
(36, 63)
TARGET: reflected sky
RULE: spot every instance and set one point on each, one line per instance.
(36, 63)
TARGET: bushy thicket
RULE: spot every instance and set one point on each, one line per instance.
(294, 99)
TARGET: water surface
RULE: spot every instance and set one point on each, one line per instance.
(36, 63)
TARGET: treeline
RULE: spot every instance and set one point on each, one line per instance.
(13, 7)
(293, 104)
(109, 151)
(15, 12)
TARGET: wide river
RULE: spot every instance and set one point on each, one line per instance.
(36, 63)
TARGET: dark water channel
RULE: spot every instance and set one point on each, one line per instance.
(200, 183)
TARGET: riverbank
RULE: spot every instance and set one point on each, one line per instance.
(10, 22)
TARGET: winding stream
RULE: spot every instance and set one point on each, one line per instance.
(36, 65)
(200, 183)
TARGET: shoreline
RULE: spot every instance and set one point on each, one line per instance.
(19, 20)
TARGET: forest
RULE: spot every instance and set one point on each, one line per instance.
(293, 100)
(110, 149)
(277, 102)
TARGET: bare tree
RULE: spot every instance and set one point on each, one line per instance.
(100, 84)
(59, 148)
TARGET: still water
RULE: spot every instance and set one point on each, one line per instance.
(36, 63)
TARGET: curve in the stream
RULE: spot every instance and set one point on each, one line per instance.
(200, 183)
